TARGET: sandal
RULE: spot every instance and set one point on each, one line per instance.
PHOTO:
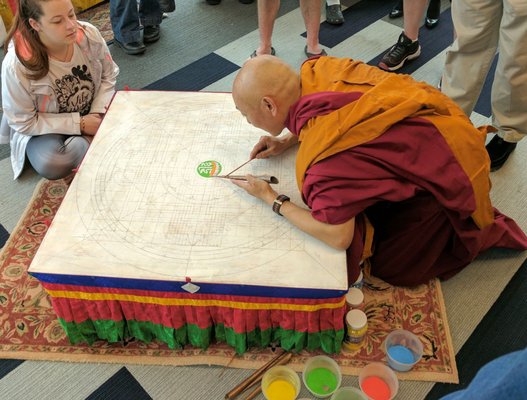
(309, 55)
(273, 53)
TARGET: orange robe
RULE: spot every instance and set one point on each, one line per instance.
(387, 146)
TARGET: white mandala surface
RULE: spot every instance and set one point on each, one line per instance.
(138, 208)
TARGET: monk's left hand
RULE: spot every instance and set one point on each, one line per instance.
(257, 188)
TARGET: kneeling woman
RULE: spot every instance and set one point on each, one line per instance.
(58, 78)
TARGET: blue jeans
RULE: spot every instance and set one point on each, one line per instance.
(128, 19)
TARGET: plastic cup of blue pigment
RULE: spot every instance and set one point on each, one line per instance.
(403, 350)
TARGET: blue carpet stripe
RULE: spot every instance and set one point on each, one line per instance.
(358, 17)
(197, 75)
(122, 385)
(6, 366)
(491, 339)
(4, 235)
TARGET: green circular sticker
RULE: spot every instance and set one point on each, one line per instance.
(209, 168)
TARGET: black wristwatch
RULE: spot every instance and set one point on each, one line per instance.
(277, 203)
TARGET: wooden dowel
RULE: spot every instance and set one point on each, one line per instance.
(256, 375)
(258, 388)
(254, 393)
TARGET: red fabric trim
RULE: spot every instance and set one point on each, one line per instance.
(74, 310)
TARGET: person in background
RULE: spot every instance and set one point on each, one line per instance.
(484, 27)
(381, 159)
(432, 12)
(58, 78)
(407, 46)
(135, 25)
(216, 2)
(504, 378)
(267, 11)
(334, 14)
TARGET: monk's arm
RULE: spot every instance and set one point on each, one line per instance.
(337, 236)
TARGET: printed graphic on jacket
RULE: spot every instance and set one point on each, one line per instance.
(75, 91)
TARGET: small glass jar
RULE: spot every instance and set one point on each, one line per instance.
(355, 299)
(357, 327)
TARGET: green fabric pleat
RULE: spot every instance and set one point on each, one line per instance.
(90, 331)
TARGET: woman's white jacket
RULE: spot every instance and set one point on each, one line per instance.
(30, 106)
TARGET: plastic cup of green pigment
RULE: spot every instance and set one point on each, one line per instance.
(378, 382)
(322, 376)
(403, 350)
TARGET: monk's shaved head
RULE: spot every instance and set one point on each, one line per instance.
(264, 90)
(265, 76)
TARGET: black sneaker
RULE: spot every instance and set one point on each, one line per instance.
(499, 150)
(403, 50)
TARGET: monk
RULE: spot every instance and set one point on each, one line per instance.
(390, 168)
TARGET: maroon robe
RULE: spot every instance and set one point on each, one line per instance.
(412, 189)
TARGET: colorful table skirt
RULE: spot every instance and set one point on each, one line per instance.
(113, 310)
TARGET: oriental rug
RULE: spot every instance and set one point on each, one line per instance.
(99, 16)
(30, 330)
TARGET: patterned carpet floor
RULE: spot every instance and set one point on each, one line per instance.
(201, 48)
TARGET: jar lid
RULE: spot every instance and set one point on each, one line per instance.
(354, 297)
(356, 319)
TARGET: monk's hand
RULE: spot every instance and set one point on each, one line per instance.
(257, 188)
(270, 146)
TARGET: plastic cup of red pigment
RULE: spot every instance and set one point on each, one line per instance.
(348, 393)
(322, 376)
(403, 350)
(378, 382)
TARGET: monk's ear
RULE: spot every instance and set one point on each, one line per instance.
(268, 105)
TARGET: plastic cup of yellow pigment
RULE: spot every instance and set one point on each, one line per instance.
(348, 393)
(322, 376)
(403, 350)
(378, 382)
(280, 383)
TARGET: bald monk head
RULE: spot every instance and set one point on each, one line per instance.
(264, 90)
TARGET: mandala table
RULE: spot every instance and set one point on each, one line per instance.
(146, 245)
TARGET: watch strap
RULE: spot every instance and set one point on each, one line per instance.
(277, 203)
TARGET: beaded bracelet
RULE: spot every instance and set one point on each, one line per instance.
(83, 125)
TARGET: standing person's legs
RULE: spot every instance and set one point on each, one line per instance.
(150, 16)
(311, 13)
(55, 156)
(413, 15)
(407, 46)
(124, 16)
(267, 12)
(470, 57)
(334, 14)
(509, 90)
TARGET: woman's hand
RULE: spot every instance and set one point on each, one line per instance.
(90, 124)
(272, 146)
(257, 188)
